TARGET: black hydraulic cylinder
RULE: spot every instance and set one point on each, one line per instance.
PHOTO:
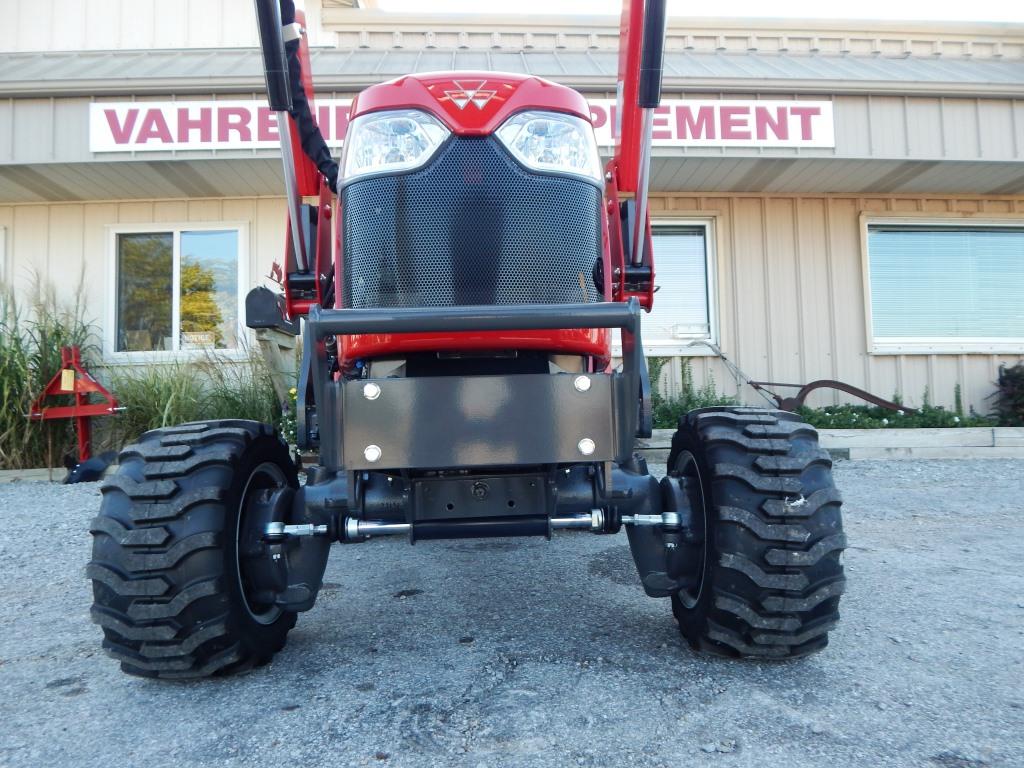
(652, 55)
(481, 528)
(275, 60)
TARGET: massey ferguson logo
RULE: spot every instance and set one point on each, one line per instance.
(471, 92)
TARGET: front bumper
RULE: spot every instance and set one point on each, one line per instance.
(457, 422)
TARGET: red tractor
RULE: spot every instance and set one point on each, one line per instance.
(456, 304)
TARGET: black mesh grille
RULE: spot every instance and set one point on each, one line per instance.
(471, 228)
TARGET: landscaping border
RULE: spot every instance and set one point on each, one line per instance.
(853, 444)
(918, 443)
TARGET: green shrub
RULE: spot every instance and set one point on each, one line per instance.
(30, 342)
(1009, 396)
(667, 410)
(873, 417)
(241, 388)
(151, 396)
(288, 424)
(214, 388)
(155, 396)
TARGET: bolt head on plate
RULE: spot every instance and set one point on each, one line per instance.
(372, 453)
(582, 383)
(586, 446)
(371, 391)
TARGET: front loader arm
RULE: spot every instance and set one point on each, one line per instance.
(315, 153)
(641, 56)
(310, 172)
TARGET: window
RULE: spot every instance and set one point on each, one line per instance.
(176, 290)
(946, 288)
(683, 307)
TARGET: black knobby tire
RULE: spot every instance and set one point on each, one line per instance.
(164, 567)
(772, 574)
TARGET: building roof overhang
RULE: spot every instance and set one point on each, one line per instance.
(904, 124)
(238, 70)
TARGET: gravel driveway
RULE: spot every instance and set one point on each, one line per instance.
(526, 652)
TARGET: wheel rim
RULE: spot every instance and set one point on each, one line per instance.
(268, 476)
(688, 471)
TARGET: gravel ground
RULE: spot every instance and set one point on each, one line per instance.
(526, 652)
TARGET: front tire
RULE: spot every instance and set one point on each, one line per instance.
(168, 587)
(770, 576)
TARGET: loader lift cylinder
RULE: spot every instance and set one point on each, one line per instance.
(279, 96)
(652, 59)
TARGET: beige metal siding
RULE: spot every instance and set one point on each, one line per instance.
(69, 244)
(790, 287)
(89, 25)
(791, 297)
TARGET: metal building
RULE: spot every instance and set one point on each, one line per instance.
(832, 200)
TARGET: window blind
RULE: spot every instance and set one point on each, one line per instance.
(681, 305)
(942, 282)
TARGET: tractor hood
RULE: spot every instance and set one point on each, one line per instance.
(470, 103)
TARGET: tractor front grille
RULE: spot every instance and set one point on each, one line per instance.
(472, 227)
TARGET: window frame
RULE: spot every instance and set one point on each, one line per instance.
(928, 345)
(681, 347)
(110, 353)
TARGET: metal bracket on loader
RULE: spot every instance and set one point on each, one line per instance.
(266, 309)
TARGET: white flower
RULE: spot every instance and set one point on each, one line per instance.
(956, 419)
(885, 421)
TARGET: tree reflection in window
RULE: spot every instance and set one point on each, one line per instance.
(207, 301)
(209, 289)
(145, 271)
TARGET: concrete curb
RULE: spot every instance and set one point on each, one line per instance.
(965, 443)
(956, 443)
(54, 475)
(41, 474)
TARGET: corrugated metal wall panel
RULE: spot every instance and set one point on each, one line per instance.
(6, 219)
(960, 129)
(96, 254)
(79, 25)
(888, 113)
(885, 144)
(1018, 124)
(810, 323)
(782, 273)
(28, 241)
(65, 256)
(922, 138)
(788, 280)
(995, 122)
(32, 129)
(7, 131)
(68, 245)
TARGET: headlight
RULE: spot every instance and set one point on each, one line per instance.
(550, 141)
(390, 141)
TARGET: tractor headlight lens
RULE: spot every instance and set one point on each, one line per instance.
(552, 142)
(382, 142)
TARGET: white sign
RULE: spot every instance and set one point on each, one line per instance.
(728, 123)
(160, 126)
